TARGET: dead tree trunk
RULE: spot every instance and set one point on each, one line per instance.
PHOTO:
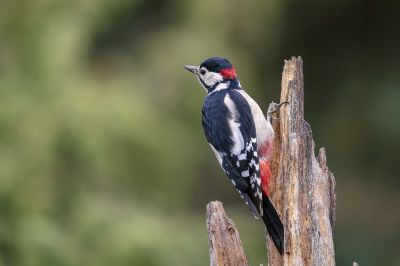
(223, 238)
(302, 189)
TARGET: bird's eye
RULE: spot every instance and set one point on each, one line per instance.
(203, 71)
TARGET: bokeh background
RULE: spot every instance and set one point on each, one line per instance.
(103, 160)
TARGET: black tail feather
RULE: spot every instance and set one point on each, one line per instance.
(273, 224)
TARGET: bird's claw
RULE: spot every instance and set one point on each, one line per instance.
(273, 108)
(277, 107)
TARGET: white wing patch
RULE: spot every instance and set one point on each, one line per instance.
(237, 137)
(242, 156)
(245, 173)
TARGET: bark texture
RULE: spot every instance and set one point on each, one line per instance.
(302, 187)
(224, 242)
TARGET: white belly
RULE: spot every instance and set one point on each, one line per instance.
(264, 130)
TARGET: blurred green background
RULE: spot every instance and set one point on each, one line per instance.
(103, 160)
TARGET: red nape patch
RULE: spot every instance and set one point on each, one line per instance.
(265, 173)
(228, 73)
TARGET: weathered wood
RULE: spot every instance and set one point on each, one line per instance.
(224, 242)
(302, 187)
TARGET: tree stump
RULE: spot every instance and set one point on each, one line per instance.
(223, 238)
(302, 188)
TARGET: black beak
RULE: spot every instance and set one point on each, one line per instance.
(192, 69)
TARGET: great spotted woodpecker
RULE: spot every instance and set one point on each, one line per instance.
(241, 138)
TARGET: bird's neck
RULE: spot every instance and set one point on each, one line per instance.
(226, 84)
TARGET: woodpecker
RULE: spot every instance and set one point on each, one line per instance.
(241, 139)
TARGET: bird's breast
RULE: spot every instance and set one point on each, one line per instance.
(264, 130)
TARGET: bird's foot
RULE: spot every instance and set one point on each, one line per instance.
(273, 108)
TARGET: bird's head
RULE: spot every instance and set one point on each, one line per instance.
(215, 73)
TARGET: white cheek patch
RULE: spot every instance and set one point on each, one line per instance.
(212, 78)
(202, 85)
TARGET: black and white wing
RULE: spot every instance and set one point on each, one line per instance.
(230, 130)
